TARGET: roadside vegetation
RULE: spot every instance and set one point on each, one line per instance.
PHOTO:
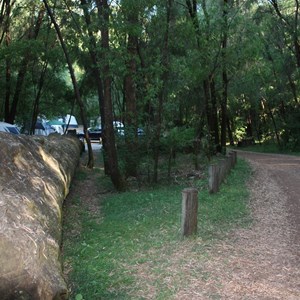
(225, 71)
(129, 245)
(271, 147)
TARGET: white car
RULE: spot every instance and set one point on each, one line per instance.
(119, 127)
(7, 127)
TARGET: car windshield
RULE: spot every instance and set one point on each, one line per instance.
(13, 130)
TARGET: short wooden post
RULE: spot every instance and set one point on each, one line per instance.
(213, 178)
(189, 211)
(231, 160)
(234, 157)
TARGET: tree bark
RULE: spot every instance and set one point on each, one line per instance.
(130, 98)
(108, 130)
(291, 27)
(75, 86)
(270, 113)
(32, 34)
(36, 103)
(94, 55)
(224, 78)
(230, 134)
(208, 83)
(8, 60)
(162, 92)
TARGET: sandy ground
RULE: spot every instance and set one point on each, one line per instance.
(263, 261)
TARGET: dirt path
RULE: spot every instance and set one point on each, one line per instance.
(260, 262)
(285, 170)
(263, 262)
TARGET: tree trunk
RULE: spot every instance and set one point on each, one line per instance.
(292, 27)
(75, 86)
(208, 83)
(224, 78)
(295, 33)
(97, 75)
(214, 111)
(230, 134)
(36, 103)
(108, 130)
(162, 92)
(33, 33)
(8, 61)
(211, 110)
(293, 87)
(130, 100)
(270, 113)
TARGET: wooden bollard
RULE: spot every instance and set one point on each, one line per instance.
(234, 157)
(189, 211)
(213, 178)
(231, 159)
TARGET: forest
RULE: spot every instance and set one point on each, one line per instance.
(195, 75)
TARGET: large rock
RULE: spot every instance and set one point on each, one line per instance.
(35, 174)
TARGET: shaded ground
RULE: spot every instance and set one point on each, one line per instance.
(259, 262)
(263, 262)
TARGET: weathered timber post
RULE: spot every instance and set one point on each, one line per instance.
(189, 211)
(234, 157)
(213, 181)
(231, 160)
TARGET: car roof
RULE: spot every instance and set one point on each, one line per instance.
(7, 127)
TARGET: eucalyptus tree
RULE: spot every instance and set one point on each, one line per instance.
(98, 36)
(131, 11)
(32, 69)
(28, 34)
(214, 24)
(278, 26)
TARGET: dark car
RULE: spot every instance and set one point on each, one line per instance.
(95, 134)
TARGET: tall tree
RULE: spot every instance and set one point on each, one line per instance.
(224, 116)
(203, 38)
(108, 130)
(130, 94)
(292, 25)
(75, 85)
(95, 63)
(32, 34)
(162, 93)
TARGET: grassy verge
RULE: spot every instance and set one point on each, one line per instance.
(131, 247)
(269, 148)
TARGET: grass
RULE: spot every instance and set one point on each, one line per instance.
(132, 247)
(269, 147)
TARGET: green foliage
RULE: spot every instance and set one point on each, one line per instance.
(263, 86)
(178, 139)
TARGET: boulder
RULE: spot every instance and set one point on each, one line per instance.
(35, 175)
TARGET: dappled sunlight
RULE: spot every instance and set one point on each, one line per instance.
(22, 163)
(55, 167)
(51, 191)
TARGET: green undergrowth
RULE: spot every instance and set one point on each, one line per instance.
(132, 241)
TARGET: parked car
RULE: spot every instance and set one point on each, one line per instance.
(94, 133)
(119, 127)
(7, 127)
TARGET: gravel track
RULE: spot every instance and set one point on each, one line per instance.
(263, 262)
